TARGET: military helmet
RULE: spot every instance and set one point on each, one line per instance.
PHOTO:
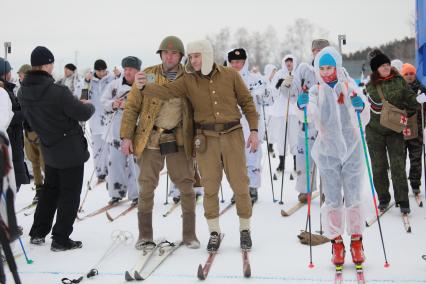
(171, 43)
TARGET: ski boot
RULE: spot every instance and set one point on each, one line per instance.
(280, 167)
(37, 241)
(176, 199)
(134, 202)
(303, 197)
(67, 245)
(357, 249)
(114, 200)
(214, 242)
(101, 179)
(245, 240)
(338, 251)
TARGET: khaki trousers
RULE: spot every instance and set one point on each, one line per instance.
(181, 172)
(225, 152)
(33, 152)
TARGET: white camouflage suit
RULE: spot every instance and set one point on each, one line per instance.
(123, 171)
(98, 123)
(337, 150)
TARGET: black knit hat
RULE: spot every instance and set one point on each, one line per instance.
(237, 54)
(131, 61)
(100, 65)
(377, 59)
(41, 56)
(71, 67)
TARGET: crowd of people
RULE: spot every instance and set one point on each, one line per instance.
(201, 119)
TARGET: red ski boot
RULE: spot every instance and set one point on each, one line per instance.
(357, 249)
(338, 251)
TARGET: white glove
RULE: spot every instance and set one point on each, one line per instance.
(288, 81)
(421, 98)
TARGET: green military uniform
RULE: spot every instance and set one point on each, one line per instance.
(215, 99)
(383, 141)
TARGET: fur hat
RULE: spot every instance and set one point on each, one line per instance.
(319, 43)
(206, 49)
(237, 54)
(131, 61)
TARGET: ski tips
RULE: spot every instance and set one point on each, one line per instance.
(200, 273)
(386, 264)
(137, 276)
(311, 265)
(128, 277)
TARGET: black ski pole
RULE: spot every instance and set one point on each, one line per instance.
(167, 189)
(285, 146)
(269, 157)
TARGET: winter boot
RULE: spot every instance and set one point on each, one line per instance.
(338, 251)
(145, 229)
(101, 179)
(176, 199)
(189, 237)
(245, 240)
(404, 206)
(214, 242)
(383, 205)
(357, 250)
(280, 167)
(37, 241)
(253, 194)
(303, 197)
(67, 245)
(134, 202)
(114, 200)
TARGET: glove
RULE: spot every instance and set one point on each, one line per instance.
(288, 81)
(421, 98)
(278, 85)
(302, 100)
(357, 103)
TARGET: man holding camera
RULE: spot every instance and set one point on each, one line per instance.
(215, 92)
(164, 131)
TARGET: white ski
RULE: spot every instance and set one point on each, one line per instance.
(161, 252)
(145, 255)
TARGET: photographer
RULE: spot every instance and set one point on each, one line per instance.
(54, 113)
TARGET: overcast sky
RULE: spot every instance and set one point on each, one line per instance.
(113, 29)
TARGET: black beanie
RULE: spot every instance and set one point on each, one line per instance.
(237, 54)
(71, 67)
(131, 61)
(41, 56)
(378, 59)
(100, 65)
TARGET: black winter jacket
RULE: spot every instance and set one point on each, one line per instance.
(53, 113)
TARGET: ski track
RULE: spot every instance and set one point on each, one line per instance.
(276, 257)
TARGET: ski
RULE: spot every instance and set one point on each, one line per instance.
(171, 209)
(124, 212)
(246, 264)
(338, 275)
(33, 204)
(418, 199)
(292, 210)
(359, 274)
(203, 271)
(424, 257)
(382, 212)
(160, 254)
(100, 210)
(407, 225)
(146, 254)
(224, 210)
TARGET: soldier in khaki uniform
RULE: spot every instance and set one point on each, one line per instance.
(215, 92)
(164, 131)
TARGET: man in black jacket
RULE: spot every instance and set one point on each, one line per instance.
(53, 112)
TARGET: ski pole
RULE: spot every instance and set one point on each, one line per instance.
(305, 122)
(367, 163)
(221, 194)
(269, 157)
(167, 189)
(29, 261)
(285, 146)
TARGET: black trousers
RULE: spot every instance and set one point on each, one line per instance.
(60, 194)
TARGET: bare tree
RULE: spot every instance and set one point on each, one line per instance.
(221, 43)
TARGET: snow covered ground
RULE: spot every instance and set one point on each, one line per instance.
(277, 255)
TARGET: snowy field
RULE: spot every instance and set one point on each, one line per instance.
(276, 257)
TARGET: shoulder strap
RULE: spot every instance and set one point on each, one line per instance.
(379, 90)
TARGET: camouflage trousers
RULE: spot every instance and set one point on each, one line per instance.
(380, 147)
(414, 148)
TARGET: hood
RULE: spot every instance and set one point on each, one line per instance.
(35, 84)
(397, 64)
(337, 58)
(269, 68)
(283, 66)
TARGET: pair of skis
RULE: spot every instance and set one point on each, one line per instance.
(152, 256)
(203, 271)
(296, 207)
(100, 210)
(338, 277)
(405, 219)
